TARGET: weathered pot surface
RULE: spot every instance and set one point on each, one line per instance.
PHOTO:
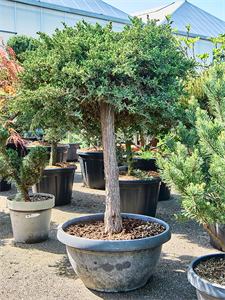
(113, 266)
(30, 220)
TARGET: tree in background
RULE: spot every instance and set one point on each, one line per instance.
(9, 70)
(21, 44)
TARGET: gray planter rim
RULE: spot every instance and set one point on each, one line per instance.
(112, 246)
(30, 206)
(215, 290)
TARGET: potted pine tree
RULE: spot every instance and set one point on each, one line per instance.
(30, 213)
(196, 169)
(105, 74)
(201, 148)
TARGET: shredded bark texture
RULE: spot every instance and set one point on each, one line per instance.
(61, 165)
(43, 143)
(146, 175)
(37, 198)
(213, 270)
(92, 149)
(132, 229)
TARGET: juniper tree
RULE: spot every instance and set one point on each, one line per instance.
(24, 172)
(108, 76)
(196, 166)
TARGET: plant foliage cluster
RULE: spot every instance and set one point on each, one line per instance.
(24, 172)
(196, 166)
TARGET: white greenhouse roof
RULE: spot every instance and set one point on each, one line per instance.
(94, 6)
(184, 13)
(91, 8)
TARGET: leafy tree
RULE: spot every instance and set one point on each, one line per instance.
(196, 166)
(9, 70)
(108, 77)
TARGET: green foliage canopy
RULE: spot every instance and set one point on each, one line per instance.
(138, 71)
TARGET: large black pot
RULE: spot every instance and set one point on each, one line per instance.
(58, 182)
(219, 231)
(72, 152)
(145, 164)
(92, 168)
(4, 185)
(61, 152)
(139, 196)
(150, 165)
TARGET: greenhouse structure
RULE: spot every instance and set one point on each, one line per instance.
(30, 16)
(183, 13)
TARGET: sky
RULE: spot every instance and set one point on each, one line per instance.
(214, 7)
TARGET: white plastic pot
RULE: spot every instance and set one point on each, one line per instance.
(30, 220)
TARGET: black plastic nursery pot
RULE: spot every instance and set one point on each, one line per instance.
(139, 196)
(206, 290)
(58, 182)
(219, 231)
(113, 265)
(92, 168)
(150, 165)
(4, 185)
(145, 164)
(164, 192)
(72, 152)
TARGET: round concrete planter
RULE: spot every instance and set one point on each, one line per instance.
(58, 182)
(72, 152)
(205, 290)
(30, 220)
(113, 266)
(139, 196)
(92, 168)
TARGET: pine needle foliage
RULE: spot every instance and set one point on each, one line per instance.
(196, 166)
(24, 172)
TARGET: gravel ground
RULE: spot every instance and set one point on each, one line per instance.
(42, 271)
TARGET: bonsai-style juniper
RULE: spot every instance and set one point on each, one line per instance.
(24, 172)
(196, 167)
(107, 75)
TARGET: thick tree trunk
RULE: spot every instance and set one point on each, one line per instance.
(112, 220)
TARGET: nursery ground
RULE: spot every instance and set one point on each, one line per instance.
(42, 271)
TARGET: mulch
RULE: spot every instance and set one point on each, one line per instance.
(132, 229)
